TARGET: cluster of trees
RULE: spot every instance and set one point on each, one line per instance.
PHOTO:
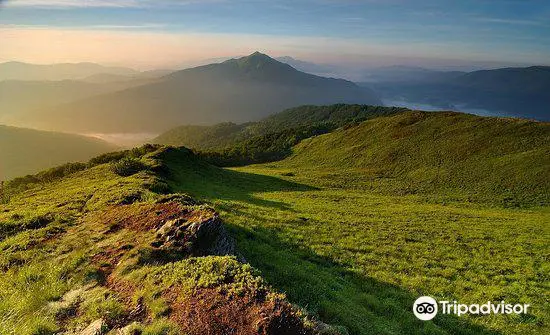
(272, 138)
(263, 148)
(220, 136)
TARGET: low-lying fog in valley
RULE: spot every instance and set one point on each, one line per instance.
(125, 140)
(455, 108)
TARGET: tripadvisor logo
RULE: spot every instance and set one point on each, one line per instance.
(426, 308)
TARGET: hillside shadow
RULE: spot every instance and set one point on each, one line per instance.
(337, 295)
(211, 183)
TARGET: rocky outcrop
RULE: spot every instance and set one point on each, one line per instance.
(198, 233)
(98, 327)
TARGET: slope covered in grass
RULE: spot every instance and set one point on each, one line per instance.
(501, 160)
(358, 259)
(24, 151)
(109, 249)
(346, 235)
(271, 139)
(202, 137)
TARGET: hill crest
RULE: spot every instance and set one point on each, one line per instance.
(498, 160)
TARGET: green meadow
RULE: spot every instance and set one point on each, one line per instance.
(358, 257)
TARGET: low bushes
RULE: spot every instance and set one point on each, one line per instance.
(127, 166)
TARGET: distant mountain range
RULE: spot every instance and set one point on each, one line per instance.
(20, 96)
(398, 73)
(90, 98)
(118, 78)
(21, 99)
(515, 91)
(25, 71)
(520, 92)
(26, 151)
(27, 88)
(326, 70)
(237, 90)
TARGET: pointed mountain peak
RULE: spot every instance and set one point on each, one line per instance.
(258, 55)
(258, 60)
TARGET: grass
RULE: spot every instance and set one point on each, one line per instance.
(352, 236)
(68, 260)
(502, 161)
(40, 265)
(358, 257)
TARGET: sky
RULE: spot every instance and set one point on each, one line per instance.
(147, 34)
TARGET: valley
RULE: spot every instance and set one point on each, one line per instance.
(496, 92)
(29, 151)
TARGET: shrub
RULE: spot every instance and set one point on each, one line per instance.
(60, 171)
(118, 155)
(158, 186)
(107, 158)
(127, 166)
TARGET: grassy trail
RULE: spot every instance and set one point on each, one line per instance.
(359, 258)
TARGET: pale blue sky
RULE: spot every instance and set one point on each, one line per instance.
(508, 31)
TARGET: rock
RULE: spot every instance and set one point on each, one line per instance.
(199, 233)
(98, 327)
(131, 329)
(138, 310)
(67, 306)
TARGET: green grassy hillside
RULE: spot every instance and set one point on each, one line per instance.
(351, 228)
(109, 249)
(25, 151)
(202, 137)
(500, 160)
(358, 259)
(337, 115)
(271, 139)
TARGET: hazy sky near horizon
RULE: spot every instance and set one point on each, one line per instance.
(170, 33)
